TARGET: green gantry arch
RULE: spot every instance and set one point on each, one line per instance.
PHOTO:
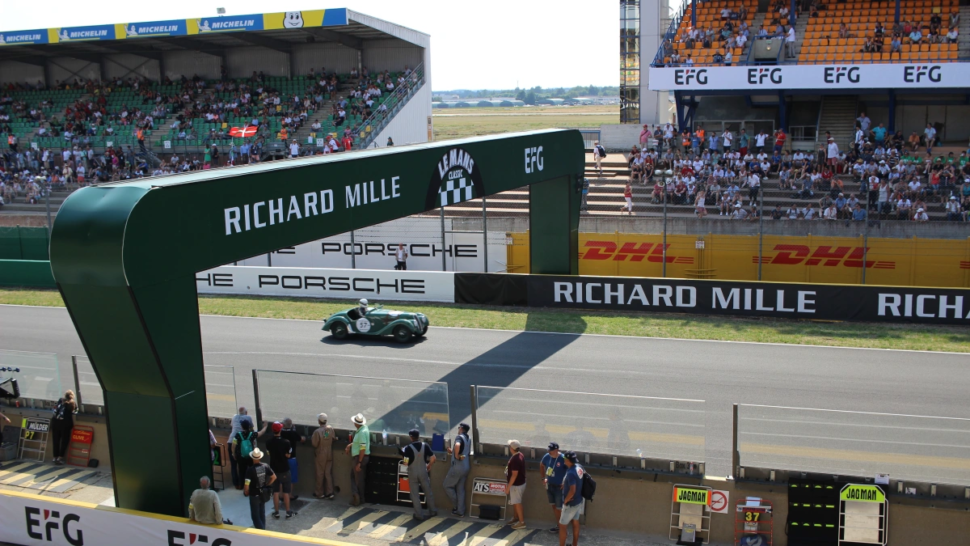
(125, 257)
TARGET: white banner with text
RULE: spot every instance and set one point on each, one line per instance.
(32, 520)
(376, 247)
(820, 76)
(375, 285)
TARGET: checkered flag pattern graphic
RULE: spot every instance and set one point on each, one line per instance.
(451, 192)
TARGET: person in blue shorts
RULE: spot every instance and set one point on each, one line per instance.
(553, 470)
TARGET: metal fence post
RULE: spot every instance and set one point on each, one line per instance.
(47, 205)
(353, 251)
(735, 454)
(77, 382)
(259, 412)
(444, 260)
(664, 266)
(761, 227)
(865, 245)
(474, 403)
(484, 235)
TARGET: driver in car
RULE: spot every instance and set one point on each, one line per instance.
(362, 307)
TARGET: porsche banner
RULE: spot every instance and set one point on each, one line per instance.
(374, 285)
(753, 299)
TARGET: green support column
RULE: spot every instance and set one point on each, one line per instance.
(125, 256)
(554, 226)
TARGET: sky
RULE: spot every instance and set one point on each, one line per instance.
(497, 44)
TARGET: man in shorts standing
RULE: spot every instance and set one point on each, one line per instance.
(572, 499)
(553, 469)
(515, 474)
(279, 455)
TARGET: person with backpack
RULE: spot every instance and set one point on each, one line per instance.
(237, 427)
(243, 444)
(599, 154)
(572, 499)
(62, 424)
(257, 485)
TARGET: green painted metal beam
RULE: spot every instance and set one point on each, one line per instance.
(124, 257)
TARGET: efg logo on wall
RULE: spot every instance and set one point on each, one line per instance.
(922, 73)
(758, 76)
(49, 526)
(684, 76)
(456, 179)
(178, 538)
(840, 74)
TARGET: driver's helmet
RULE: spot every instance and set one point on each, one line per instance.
(363, 302)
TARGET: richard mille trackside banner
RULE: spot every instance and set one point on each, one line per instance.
(31, 520)
(781, 300)
(374, 285)
(781, 78)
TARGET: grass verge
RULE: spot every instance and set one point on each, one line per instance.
(842, 334)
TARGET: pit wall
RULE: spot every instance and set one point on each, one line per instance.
(809, 259)
(627, 501)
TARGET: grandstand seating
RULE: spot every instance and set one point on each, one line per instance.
(822, 44)
(709, 17)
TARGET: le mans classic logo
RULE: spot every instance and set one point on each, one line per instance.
(456, 179)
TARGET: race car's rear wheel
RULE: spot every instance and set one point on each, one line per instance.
(402, 334)
(339, 330)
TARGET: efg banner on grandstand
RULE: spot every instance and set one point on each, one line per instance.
(328, 283)
(820, 76)
(779, 300)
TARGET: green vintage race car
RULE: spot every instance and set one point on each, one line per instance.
(376, 321)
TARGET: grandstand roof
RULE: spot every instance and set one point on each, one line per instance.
(279, 31)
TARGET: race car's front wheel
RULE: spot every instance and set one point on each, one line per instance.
(422, 332)
(339, 330)
(402, 334)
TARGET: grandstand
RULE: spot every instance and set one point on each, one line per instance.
(202, 93)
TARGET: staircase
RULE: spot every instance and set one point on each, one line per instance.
(801, 27)
(963, 46)
(838, 117)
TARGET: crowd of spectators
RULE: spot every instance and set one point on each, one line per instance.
(27, 172)
(724, 172)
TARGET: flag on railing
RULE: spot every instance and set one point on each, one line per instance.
(242, 132)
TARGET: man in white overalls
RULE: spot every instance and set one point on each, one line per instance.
(419, 460)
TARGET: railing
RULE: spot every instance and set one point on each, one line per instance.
(670, 34)
(373, 125)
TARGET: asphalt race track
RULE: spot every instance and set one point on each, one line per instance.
(705, 377)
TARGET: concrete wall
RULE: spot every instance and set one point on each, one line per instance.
(410, 125)
(653, 104)
(99, 449)
(620, 137)
(14, 72)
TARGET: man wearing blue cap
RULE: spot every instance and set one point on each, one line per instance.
(553, 470)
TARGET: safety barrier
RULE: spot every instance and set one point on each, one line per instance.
(781, 258)
(24, 243)
(29, 273)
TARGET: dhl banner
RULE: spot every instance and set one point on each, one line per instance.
(810, 259)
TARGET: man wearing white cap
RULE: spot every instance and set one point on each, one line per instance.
(921, 216)
(953, 210)
(259, 476)
(359, 450)
(322, 441)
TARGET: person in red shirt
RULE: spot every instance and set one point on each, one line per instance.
(347, 143)
(780, 140)
(515, 474)
(628, 195)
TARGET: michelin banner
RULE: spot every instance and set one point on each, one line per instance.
(30, 520)
(377, 286)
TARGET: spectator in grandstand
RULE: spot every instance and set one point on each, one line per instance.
(915, 35)
(965, 209)
(953, 35)
(628, 197)
(780, 137)
(904, 207)
(843, 31)
(204, 505)
(929, 135)
(515, 475)
(739, 212)
(790, 40)
(864, 122)
(832, 153)
(921, 216)
(599, 154)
